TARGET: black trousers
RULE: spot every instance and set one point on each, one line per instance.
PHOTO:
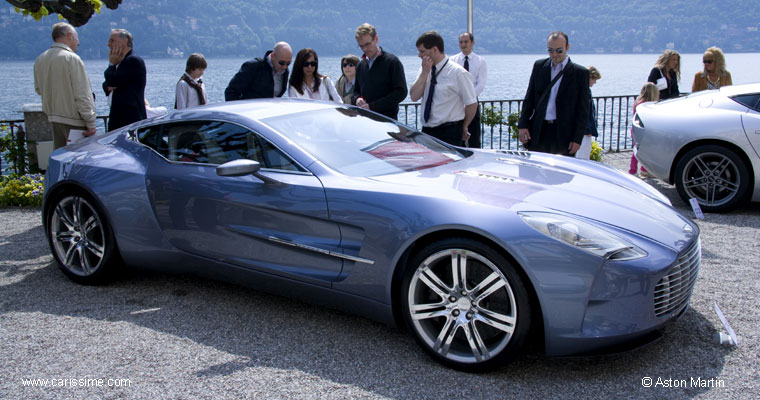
(548, 141)
(474, 129)
(449, 132)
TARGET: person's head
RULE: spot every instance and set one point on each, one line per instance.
(557, 44)
(281, 56)
(196, 65)
(649, 92)
(466, 41)
(120, 37)
(366, 38)
(348, 65)
(306, 65)
(66, 34)
(593, 75)
(714, 60)
(430, 44)
(670, 60)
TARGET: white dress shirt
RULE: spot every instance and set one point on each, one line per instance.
(325, 91)
(478, 69)
(453, 92)
(551, 107)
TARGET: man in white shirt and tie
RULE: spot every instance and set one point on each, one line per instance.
(478, 69)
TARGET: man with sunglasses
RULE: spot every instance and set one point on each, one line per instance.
(380, 80)
(556, 105)
(262, 77)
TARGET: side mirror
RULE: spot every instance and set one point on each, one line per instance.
(243, 167)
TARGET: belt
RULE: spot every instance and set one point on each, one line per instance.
(550, 121)
(446, 124)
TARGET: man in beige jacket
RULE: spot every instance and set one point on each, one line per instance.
(60, 78)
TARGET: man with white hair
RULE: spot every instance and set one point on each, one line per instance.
(262, 77)
(61, 79)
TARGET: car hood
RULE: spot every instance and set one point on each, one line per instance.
(524, 181)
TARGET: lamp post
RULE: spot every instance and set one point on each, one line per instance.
(469, 16)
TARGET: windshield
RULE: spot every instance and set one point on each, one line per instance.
(357, 142)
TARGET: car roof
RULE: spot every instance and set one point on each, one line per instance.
(264, 108)
(734, 90)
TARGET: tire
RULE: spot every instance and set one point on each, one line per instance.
(472, 324)
(81, 239)
(716, 176)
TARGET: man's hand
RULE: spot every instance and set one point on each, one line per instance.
(117, 53)
(89, 132)
(524, 135)
(465, 135)
(427, 64)
(360, 102)
(573, 147)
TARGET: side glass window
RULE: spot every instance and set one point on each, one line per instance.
(750, 100)
(213, 142)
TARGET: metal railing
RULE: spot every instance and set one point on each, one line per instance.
(614, 114)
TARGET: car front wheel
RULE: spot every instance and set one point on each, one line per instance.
(80, 238)
(716, 176)
(465, 304)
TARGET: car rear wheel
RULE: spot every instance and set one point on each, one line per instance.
(465, 304)
(714, 175)
(81, 240)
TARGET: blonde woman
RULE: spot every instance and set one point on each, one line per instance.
(648, 93)
(714, 75)
(668, 66)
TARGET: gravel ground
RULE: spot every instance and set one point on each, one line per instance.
(152, 335)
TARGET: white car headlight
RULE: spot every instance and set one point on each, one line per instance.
(582, 235)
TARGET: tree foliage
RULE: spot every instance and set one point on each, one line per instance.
(77, 12)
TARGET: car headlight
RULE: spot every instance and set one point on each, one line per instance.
(582, 235)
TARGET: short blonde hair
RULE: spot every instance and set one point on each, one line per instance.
(716, 54)
(649, 92)
(594, 73)
(366, 29)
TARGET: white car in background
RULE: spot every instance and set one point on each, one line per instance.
(706, 144)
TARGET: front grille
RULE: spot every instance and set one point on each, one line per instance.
(674, 289)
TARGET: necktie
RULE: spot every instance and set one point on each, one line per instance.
(467, 63)
(431, 91)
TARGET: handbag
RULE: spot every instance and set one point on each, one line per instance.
(662, 83)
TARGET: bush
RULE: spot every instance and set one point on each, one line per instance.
(24, 190)
(596, 151)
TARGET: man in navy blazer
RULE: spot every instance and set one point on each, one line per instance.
(553, 118)
(125, 81)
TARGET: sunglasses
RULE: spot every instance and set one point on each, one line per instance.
(348, 65)
(284, 63)
(707, 61)
(558, 50)
(310, 64)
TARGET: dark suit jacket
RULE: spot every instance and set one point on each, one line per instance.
(672, 90)
(254, 81)
(573, 100)
(128, 100)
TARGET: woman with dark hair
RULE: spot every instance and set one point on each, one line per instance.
(345, 84)
(714, 75)
(307, 83)
(666, 74)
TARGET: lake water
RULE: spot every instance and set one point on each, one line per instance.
(508, 75)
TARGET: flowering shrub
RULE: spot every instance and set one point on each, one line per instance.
(24, 190)
(596, 151)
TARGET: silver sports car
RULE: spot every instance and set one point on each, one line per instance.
(474, 251)
(707, 144)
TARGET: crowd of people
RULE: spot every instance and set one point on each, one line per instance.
(557, 116)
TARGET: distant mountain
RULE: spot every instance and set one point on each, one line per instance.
(246, 28)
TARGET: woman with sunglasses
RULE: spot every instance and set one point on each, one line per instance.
(714, 75)
(666, 74)
(307, 83)
(345, 84)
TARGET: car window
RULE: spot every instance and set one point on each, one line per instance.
(750, 100)
(213, 142)
(356, 142)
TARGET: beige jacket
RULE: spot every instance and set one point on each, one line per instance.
(60, 78)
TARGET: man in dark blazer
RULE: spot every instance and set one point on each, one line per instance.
(262, 77)
(125, 81)
(553, 118)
